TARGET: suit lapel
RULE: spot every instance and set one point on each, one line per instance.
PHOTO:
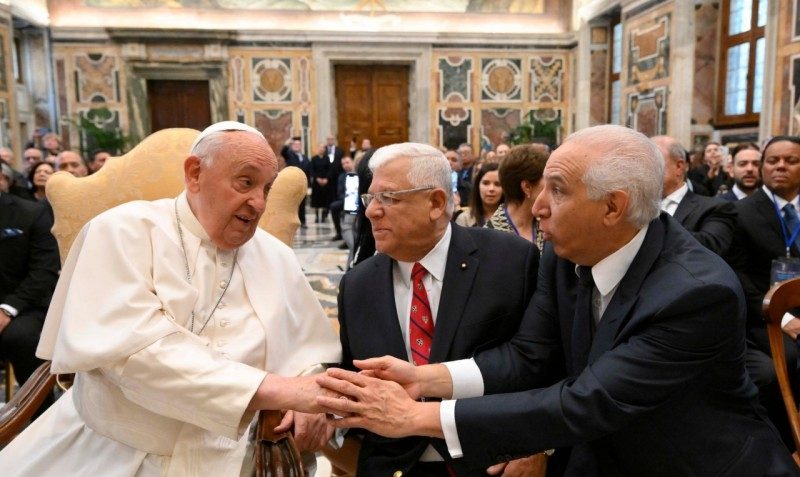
(687, 205)
(459, 275)
(766, 210)
(628, 291)
(387, 324)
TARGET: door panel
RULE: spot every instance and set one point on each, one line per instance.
(372, 102)
(177, 103)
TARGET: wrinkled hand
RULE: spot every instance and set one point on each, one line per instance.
(525, 467)
(382, 407)
(392, 369)
(297, 393)
(4, 320)
(311, 431)
(792, 328)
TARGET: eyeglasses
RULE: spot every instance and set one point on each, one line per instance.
(389, 197)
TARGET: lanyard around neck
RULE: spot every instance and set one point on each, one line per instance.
(514, 227)
(788, 238)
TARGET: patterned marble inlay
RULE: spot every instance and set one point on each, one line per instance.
(648, 57)
(705, 54)
(237, 78)
(794, 96)
(455, 79)
(455, 126)
(305, 80)
(104, 118)
(546, 76)
(501, 79)
(497, 123)
(275, 125)
(272, 80)
(598, 98)
(647, 111)
(96, 77)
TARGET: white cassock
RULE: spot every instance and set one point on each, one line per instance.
(150, 397)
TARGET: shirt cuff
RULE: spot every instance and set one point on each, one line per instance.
(10, 310)
(447, 418)
(466, 377)
(787, 317)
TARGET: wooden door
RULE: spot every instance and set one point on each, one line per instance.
(178, 104)
(372, 103)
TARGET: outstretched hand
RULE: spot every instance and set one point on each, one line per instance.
(392, 369)
(380, 406)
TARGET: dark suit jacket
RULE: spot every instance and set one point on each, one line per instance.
(729, 196)
(757, 241)
(29, 260)
(488, 281)
(337, 162)
(293, 159)
(709, 219)
(665, 392)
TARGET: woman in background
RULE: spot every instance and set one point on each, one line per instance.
(484, 199)
(38, 176)
(521, 178)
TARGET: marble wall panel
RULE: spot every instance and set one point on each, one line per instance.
(455, 79)
(647, 111)
(96, 78)
(598, 101)
(546, 79)
(3, 59)
(648, 56)
(501, 79)
(705, 64)
(794, 89)
(497, 123)
(454, 127)
(547, 125)
(271, 80)
(275, 125)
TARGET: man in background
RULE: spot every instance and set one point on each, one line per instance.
(72, 162)
(746, 171)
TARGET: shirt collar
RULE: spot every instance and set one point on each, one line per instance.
(779, 201)
(189, 220)
(434, 262)
(678, 194)
(608, 272)
(739, 193)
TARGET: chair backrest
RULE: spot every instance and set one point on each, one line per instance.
(781, 298)
(154, 170)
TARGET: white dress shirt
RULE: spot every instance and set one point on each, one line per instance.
(739, 193)
(781, 203)
(607, 274)
(669, 204)
(435, 263)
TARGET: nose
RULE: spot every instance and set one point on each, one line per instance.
(540, 207)
(258, 201)
(373, 210)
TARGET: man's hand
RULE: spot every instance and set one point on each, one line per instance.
(380, 406)
(792, 328)
(278, 392)
(5, 319)
(392, 369)
(311, 431)
(525, 467)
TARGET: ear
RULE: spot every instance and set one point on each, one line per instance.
(438, 201)
(526, 187)
(617, 203)
(191, 173)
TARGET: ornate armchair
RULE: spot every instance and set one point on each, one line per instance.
(781, 298)
(152, 170)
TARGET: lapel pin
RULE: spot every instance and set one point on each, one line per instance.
(463, 265)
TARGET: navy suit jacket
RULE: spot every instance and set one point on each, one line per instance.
(711, 220)
(665, 391)
(29, 260)
(489, 280)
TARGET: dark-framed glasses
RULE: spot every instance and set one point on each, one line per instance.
(389, 197)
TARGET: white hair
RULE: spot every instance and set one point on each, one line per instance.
(209, 147)
(429, 166)
(626, 160)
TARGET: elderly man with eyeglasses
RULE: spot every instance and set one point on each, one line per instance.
(434, 292)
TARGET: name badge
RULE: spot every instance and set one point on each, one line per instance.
(784, 268)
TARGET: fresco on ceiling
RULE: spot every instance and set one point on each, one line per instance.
(371, 6)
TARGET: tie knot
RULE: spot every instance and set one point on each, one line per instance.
(417, 271)
(585, 276)
(789, 209)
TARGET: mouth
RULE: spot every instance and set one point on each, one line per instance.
(244, 219)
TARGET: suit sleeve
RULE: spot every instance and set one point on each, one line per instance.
(37, 287)
(675, 346)
(533, 357)
(717, 227)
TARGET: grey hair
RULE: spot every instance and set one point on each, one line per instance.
(6, 170)
(626, 160)
(209, 147)
(429, 166)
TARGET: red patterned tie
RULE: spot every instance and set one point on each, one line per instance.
(421, 326)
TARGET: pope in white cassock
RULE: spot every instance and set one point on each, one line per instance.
(181, 318)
